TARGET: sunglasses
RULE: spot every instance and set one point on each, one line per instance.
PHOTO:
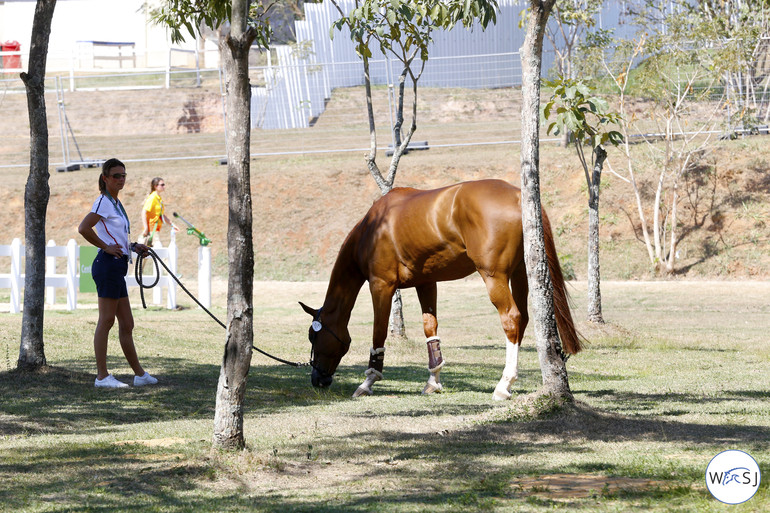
(119, 176)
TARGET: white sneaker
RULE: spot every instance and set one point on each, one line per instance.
(109, 382)
(140, 381)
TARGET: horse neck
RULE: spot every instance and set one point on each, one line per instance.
(344, 284)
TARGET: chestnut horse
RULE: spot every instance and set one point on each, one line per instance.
(415, 238)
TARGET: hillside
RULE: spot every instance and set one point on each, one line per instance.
(304, 206)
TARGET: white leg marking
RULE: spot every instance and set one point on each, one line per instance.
(434, 382)
(510, 372)
(365, 388)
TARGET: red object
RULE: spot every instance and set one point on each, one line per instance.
(11, 61)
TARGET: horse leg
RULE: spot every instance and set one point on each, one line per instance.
(382, 295)
(373, 373)
(427, 295)
(511, 318)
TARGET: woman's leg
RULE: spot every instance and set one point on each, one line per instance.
(125, 330)
(107, 310)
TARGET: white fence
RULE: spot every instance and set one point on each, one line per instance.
(70, 279)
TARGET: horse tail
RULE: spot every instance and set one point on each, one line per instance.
(570, 338)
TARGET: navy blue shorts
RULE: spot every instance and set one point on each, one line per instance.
(109, 274)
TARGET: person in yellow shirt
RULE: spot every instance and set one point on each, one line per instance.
(153, 214)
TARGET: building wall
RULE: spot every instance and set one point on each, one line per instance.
(88, 20)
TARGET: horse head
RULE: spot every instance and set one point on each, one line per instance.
(327, 349)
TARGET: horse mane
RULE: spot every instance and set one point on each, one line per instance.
(572, 341)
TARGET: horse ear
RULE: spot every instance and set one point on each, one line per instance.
(308, 310)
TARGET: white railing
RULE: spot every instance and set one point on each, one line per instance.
(13, 280)
(70, 279)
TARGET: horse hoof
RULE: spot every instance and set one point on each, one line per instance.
(362, 391)
(501, 395)
(431, 388)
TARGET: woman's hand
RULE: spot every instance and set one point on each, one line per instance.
(140, 249)
(114, 250)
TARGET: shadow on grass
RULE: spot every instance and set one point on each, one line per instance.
(581, 421)
(468, 468)
(673, 397)
(564, 431)
(60, 400)
(107, 478)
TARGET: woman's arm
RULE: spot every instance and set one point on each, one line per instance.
(86, 229)
(145, 222)
(170, 223)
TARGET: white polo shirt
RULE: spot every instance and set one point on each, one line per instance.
(113, 227)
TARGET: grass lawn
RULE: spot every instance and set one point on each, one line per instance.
(677, 375)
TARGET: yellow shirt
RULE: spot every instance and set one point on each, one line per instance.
(154, 205)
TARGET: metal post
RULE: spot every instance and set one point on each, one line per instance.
(197, 68)
(168, 70)
(16, 251)
(50, 270)
(223, 93)
(391, 98)
(72, 70)
(172, 257)
(64, 141)
(204, 276)
(72, 275)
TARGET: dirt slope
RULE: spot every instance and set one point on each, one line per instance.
(305, 205)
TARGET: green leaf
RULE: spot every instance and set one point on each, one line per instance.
(571, 121)
(523, 18)
(598, 105)
(616, 138)
(190, 28)
(547, 109)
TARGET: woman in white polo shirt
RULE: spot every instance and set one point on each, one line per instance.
(107, 227)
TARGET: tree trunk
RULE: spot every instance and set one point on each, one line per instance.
(228, 417)
(672, 245)
(397, 326)
(36, 193)
(656, 221)
(594, 292)
(548, 345)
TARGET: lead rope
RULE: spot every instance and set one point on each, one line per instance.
(138, 275)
